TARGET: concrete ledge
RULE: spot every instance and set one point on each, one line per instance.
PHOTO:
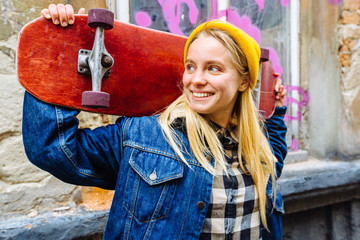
(298, 156)
(60, 226)
(314, 184)
(304, 185)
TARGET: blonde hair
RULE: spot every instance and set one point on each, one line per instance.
(253, 147)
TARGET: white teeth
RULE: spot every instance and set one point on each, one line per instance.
(201, 95)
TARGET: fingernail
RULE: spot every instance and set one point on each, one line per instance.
(64, 24)
(71, 21)
(48, 16)
(56, 22)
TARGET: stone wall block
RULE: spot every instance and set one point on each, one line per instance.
(11, 99)
(351, 4)
(345, 59)
(49, 194)
(350, 17)
(14, 166)
(8, 55)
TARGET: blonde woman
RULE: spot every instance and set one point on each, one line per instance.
(205, 168)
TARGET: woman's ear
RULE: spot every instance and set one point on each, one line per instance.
(244, 85)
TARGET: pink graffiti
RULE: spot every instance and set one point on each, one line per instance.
(142, 19)
(243, 22)
(172, 13)
(284, 3)
(335, 2)
(261, 4)
(300, 104)
(294, 144)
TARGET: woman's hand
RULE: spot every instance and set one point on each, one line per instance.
(61, 14)
(280, 93)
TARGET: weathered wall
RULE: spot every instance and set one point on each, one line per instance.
(330, 51)
(349, 54)
(320, 75)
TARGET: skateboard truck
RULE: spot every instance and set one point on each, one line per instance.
(97, 62)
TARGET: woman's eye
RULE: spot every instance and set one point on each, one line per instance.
(214, 69)
(190, 67)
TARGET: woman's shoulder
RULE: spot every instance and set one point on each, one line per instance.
(140, 127)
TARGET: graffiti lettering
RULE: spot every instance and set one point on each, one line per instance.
(300, 104)
(172, 13)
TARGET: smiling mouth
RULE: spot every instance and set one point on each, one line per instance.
(202, 95)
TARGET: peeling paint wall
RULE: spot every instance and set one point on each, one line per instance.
(349, 55)
(320, 76)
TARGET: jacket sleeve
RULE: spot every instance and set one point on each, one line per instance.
(54, 143)
(276, 132)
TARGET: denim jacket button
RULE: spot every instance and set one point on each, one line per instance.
(209, 158)
(200, 205)
(153, 176)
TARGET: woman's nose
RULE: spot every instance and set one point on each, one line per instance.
(199, 79)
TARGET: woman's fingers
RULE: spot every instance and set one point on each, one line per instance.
(45, 13)
(280, 93)
(61, 14)
(53, 11)
(63, 18)
(278, 84)
(69, 13)
(81, 11)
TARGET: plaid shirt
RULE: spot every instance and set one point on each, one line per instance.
(234, 207)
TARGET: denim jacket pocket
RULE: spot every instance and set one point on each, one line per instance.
(151, 184)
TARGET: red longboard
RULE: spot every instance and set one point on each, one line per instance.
(145, 78)
(147, 71)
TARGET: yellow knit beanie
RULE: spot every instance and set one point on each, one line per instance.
(246, 43)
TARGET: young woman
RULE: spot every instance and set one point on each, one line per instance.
(205, 168)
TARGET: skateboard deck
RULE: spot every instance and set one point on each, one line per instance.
(267, 93)
(145, 77)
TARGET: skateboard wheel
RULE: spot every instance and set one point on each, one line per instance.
(99, 17)
(95, 99)
(265, 54)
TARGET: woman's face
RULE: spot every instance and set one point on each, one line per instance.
(211, 81)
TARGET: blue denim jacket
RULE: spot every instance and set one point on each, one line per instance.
(156, 195)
